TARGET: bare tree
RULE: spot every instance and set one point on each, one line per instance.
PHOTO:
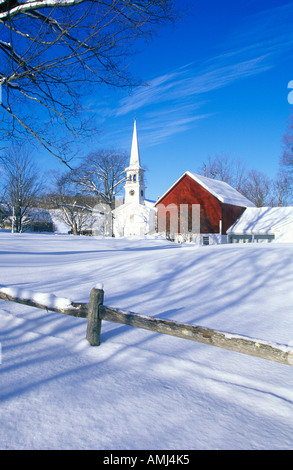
(74, 209)
(21, 186)
(286, 163)
(51, 51)
(259, 189)
(255, 185)
(102, 174)
(287, 142)
(225, 168)
(282, 188)
(3, 215)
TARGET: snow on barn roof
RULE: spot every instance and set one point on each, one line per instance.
(262, 220)
(221, 190)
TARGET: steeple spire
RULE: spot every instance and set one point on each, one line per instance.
(134, 156)
(134, 185)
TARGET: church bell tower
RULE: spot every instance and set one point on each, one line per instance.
(134, 186)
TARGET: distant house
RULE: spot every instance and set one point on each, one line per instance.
(214, 203)
(39, 220)
(263, 224)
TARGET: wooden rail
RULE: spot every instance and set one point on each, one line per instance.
(75, 309)
(237, 343)
(95, 312)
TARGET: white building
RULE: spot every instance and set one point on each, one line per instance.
(137, 215)
(263, 224)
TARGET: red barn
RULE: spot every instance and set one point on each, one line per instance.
(199, 208)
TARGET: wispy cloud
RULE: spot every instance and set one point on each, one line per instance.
(175, 101)
(157, 130)
(187, 83)
(158, 90)
(269, 31)
(172, 103)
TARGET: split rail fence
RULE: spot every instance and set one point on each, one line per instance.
(95, 311)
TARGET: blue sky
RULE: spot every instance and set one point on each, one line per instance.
(217, 84)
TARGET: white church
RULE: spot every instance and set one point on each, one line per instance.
(137, 216)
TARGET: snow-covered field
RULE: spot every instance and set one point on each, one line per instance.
(138, 389)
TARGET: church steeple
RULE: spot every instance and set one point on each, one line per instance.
(134, 156)
(134, 186)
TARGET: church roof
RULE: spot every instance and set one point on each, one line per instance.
(132, 206)
(221, 190)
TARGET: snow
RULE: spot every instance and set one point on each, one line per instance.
(48, 300)
(263, 220)
(139, 389)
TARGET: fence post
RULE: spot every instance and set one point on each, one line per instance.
(94, 320)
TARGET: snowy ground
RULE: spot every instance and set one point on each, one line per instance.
(141, 390)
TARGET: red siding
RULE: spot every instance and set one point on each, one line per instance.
(188, 191)
(229, 215)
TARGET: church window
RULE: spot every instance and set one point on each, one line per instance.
(134, 177)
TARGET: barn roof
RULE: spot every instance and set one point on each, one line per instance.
(221, 190)
(262, 220)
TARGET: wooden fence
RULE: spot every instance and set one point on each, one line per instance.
(95, 311)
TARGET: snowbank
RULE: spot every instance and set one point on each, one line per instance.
(138, 389)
